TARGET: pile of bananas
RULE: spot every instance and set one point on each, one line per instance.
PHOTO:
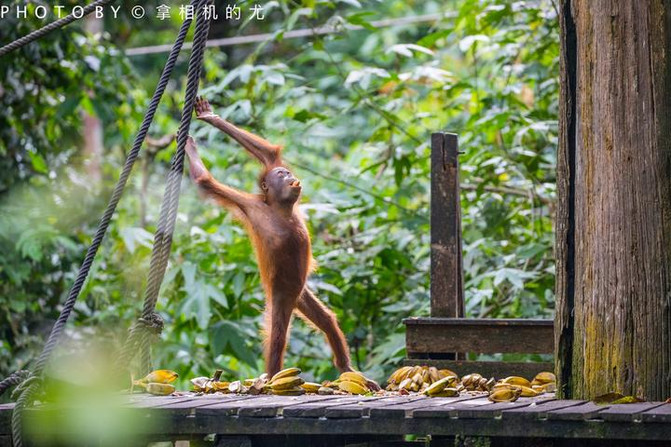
(348, 383)
(417, 378)
(157, 382)
(445, 383)
(285, 383)
(513, 387)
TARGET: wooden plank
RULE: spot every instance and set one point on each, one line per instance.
(363, 407)
(539, 410)
(661, 414)
(157, 401)
(463, 410)
(447, 296)
(627, 412)
(257, 406)
(189, 407)
(586, 411)
(405, 410)
(276, 407)
(483, 336)
(318, 409)
(487, 369)
(448, 407)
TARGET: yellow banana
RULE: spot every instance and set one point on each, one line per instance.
(545, 377)
(285, 383)
(397, 375)
(158, 376)
(529, 392)
(352, 387)
(447, 392)
(286, 373)
(446, 372)
(546, 388)
(220, 386)
(434, 374)
(437, 387)
(505, 395)
(353, 376)
(311, 387)
(160, 389)
(517, 380)
(295, 391)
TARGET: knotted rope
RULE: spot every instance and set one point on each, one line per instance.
(149, 322)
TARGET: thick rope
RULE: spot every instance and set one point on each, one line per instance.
(13, 380)
(60, 23)
(166, 223)
(84, 269)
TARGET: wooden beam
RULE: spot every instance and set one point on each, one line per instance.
(447, 290)
(434, 336)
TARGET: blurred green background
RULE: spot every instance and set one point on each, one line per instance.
(354, 110)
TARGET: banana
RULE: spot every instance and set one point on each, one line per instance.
(434, 374)
(547, 388)
(160, 389)
(447, 392)
(417, 378)
(398, 375)
(311, 387)
(545, 377)
(446, 372)
(160, 376)
(220, 386)
(353, 376)
(505, 395)
(413, 371)
(529, 392)
(471, 381)
(286, 383)
(352, 387)
(286, 373)
(405, 384)
(505, 386)
(516, 380)
(437, 387)
(294, 391)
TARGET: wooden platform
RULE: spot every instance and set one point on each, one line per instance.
(338, 417)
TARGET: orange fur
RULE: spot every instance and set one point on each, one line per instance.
(280, 239)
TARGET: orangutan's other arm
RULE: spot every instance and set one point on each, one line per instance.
(264, 151)
(228, 197)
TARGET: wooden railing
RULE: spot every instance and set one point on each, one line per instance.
(447, 336)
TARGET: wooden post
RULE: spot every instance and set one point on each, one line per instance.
(447, 290)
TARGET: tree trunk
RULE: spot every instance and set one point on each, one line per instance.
(613, 321)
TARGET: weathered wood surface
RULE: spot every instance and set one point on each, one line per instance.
(469, 414)
(613, 217)
(478, 335)
(447, 289)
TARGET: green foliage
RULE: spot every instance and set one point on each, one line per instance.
(354, 111)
